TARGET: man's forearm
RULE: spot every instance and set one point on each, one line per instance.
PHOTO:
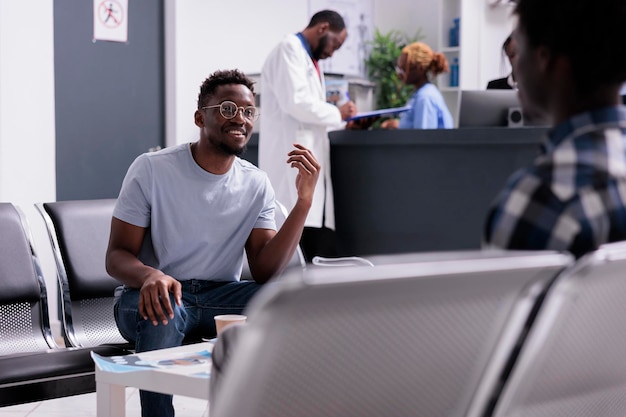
(128, 269)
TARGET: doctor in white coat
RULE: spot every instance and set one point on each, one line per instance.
(294, 110)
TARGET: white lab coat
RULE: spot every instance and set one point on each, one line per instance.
(294, 110)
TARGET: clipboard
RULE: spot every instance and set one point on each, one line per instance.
(380, 112)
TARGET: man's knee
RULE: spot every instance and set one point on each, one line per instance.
(162, 335)
(142, 332)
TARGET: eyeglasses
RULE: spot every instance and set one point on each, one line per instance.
(229, 110)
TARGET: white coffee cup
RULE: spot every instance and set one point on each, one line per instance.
(224, 320)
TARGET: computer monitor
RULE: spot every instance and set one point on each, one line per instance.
(486, 108)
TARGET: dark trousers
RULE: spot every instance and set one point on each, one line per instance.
(202, 300)
(318, 242)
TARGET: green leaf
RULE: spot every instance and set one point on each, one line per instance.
(385, 50)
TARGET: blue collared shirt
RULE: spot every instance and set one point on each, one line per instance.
(573, 197)
(305, 44)
(428, 110)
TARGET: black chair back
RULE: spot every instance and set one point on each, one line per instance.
(79, 234)
(24, 324)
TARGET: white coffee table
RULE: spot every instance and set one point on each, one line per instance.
(182, 370)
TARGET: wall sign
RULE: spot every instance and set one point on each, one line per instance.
(110, 20)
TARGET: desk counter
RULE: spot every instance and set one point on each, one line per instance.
(420, 190)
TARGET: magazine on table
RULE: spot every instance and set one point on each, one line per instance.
(153, 360)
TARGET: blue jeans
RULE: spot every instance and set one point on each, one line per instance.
(202, 300)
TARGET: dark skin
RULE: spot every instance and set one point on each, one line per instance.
(324, 43)
(268, 251)
(546, 84)
(361, 124)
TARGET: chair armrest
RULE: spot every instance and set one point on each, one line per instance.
(341, 261)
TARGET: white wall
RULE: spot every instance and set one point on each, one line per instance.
(27, 139)
(483, 30)
(209, 36)
(408, 16)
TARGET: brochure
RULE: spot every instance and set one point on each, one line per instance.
(151, 360)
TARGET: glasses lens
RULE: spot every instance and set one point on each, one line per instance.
(249, 112)
(228, 109)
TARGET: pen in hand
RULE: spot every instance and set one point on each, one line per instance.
(348, 109)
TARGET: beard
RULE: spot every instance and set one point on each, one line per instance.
(226, 149)
(318, 53)
(232, 151)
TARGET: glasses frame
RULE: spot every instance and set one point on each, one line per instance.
(239, 108)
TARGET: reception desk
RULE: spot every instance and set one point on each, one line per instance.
(419, 190)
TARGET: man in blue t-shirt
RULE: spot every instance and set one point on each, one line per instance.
(202, 205)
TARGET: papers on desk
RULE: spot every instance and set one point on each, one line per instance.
(377, 113)
(152, 360)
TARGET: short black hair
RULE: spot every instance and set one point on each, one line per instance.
(588, 32)
(334, 20)
(222, 77)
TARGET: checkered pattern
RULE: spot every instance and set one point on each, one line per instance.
(573, 197)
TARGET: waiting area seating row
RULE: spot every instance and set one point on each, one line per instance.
(32, 366)
(458, 333)
(474, 333)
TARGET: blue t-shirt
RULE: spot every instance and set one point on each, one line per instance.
(428, 110)
(199, 222)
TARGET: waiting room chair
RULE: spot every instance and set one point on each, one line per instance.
(32, 366)
(428, 336)
(573, 362)
(23, 296)
(79, 234)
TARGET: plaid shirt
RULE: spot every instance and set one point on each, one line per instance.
(573, 197)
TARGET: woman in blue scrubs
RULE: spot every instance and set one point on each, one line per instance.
(416, 66)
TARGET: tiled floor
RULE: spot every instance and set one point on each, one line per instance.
(85, 406)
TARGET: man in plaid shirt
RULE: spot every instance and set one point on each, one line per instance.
(570, 67)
